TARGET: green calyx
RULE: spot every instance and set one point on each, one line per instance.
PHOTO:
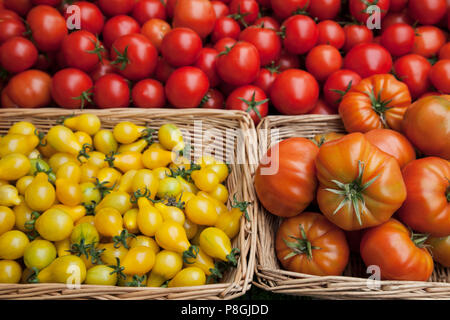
(353, 192)
(122, 58)
(241, 205)
(300, 246)
(85, 98)
(122, 239)
(190, 253)
(232, 257)
(138, 281)
(253, 104)
(84, 152)
(103, 188)
(379, 105)
(118, 269)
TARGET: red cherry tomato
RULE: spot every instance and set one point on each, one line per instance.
(145, 10)
(427, 12)
(224, 43)
(148, 93)
(104, 67)
(71, 88)
(21, 7)
(266, 77)
(285, 8)
(324, 9)
(268, 22)
(240, 64)
(91, 17)
(294, 92)
(356, 34)
(116, 7)
(440, 76)
(360, 10)
(330, 32)
(322, 61)
(18, 54)
(250, 99)
(198, 15)
(206, 61)
(220, 9)
(244, 11)
(323, 108)
(413, 69)
(119, 26)
(338, 84)
(82, 50)
(368, 59)
(135, 56)
(213, 99)
(225, 27)
(181, 47)
(29, 89)
(155, 30)
(396, 17)
(186, 87)
(300, 34)
(288, 61)
(163, 70)
(428, 41)
(111, 91)
(266, 41)
(48, 27)
(398, 39)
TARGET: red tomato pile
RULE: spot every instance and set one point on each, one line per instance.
(260, 56)
(382, 193)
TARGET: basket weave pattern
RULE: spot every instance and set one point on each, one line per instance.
(213, 124)
(354, 283)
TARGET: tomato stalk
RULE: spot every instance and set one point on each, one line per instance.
(352, 192)
(379, 105)
(122, 239)
(419, 239)
(239, 16)
(29, 226)
(90, 208)
(253, 104)
(232, 257)
(98, 49)
(84, 97)
(300, 246)
(118, 269)
(342, 93)
(88, 250)
(190, 253)
(243, 205)
(84, 152)
(122, 58)
(101, 186)
(217, 272)
(137, 281)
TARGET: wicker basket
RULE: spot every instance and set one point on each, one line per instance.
(354, 283)
(214, 124)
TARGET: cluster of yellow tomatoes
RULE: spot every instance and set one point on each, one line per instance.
(82, 204)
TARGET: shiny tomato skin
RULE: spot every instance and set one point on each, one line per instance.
(104, 67)
(48, 27)
(214, 99)
(255, 104)
(440, 76)
(330, 32)
(145, 10)
(220, 9)
(414, 69)
(289, 189)
(427, 12)
(198, 15)
(91, 17)
(247, 9)
(358, 9)
(285, 8)
(10, 28)
(265, 79)
(206, 61)
(322, 61)
(294, 92)
(18, 54)
(181, 47)
(186, 87)
(426, 208)
(268, 22)
(111, 91)
(225, 27)
(338, 84)
(140, 54)
(444, 52)
(390, 247)
(322, 108)
(266, 41)
(420, 125)
(394, 144)
(148, 93)
(118, 26)
(68, 86)
(116, 7)
(329, 254)
(30, 89)
(396, 17)
(240, 64)
(398, 39)
(301, 34)
(77, 49)
(356, 34)
(155, 30)
(428, 41)
(368, 59)
(324, 9)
